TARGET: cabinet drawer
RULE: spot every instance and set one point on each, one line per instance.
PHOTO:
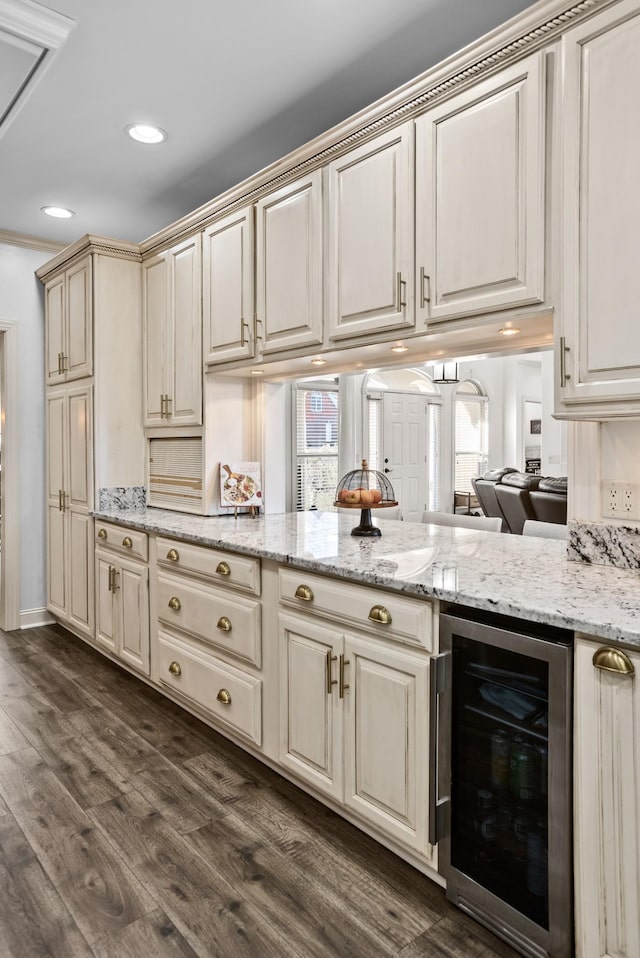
(128, 542)
(233, 697)
(225, 568)
(382, 613)
(227, 621)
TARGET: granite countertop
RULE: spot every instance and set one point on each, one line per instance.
(526, 577)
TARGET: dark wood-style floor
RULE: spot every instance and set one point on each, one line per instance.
(129, 828)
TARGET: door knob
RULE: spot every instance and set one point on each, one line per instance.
(387, 470)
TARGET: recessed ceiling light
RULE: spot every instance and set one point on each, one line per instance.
(399, 348)
(318, 362)
(145, 133)
(509, 330)
(59, 211)
(256, 372)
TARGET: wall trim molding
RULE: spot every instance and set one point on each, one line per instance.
(32, 618)
(29, 242)
(521, 36)
(10, 578)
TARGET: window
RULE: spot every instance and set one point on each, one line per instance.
(471, 434)
(316, 446)
(374, 420)
(433, 456)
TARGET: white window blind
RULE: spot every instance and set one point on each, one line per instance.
(433, 439)
(316, 453)
(471, 440)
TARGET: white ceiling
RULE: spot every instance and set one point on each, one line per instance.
(236, 85)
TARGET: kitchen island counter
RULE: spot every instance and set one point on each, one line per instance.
(527, 577)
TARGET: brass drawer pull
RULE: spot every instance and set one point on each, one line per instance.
(343, 685)
(380, 614)
(223, 568)
(613, 660)
(224, 624)
(224, 696)
(175, 603)
(175, 668)
(127, 542)
(305, 593)
(102, 534)
(172, 555)
(330, 681)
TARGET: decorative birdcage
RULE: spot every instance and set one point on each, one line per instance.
(365, 489)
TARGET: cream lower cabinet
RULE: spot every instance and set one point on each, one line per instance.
(69, 498)
(597, 329)
(606, 800)
(354, 724)
(480, 193)
(122, 594)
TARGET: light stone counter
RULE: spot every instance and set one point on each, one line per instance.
(521, 576)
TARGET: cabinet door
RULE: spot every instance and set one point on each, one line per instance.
(310, 709)
(387, 738)
(132, 591)
(79, 321)
(598, 346)
(106, 620)
(155, 305)
(80, 559)
(79, 482)
(184, 360)
(57, 442)
(480, 197)
(607, 798)
(289, 265)
(54, 304)
(228, 325)
(370, 279)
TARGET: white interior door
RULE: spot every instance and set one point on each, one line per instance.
(404, 450)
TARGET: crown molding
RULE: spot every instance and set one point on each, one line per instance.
(36, 23)
(29, 242)
(90, 243)
(532, 30)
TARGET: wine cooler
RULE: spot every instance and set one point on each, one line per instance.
(500, 813)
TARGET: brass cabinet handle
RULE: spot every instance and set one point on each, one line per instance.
(244, 326)
(102, 534)
(343, 685)
(613, 660)
(564, 375)
(127, 542)
(224, 624)
(424, 299)
(175, 668)
(400, 282)
(175, 603)
(60, 364)
(173, 555)
(223, 568)
(330, 681)
(380, 614)
(162, 406)
(224, 696)
(110, 579)
(62, 500)
(305, 593)
(113, 572)
(65, 367)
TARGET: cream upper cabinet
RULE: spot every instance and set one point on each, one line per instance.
(69, 499)
(172, 300)
(607, 798)
(289, 265)
(598, 332)
(228, 310)
(69, 326)
(370, 242)
(480, 188)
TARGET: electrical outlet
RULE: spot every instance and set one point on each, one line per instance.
(620, 500)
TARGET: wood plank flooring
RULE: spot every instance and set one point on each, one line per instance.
(129, 829)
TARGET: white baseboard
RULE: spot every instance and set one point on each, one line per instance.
(31, 618)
